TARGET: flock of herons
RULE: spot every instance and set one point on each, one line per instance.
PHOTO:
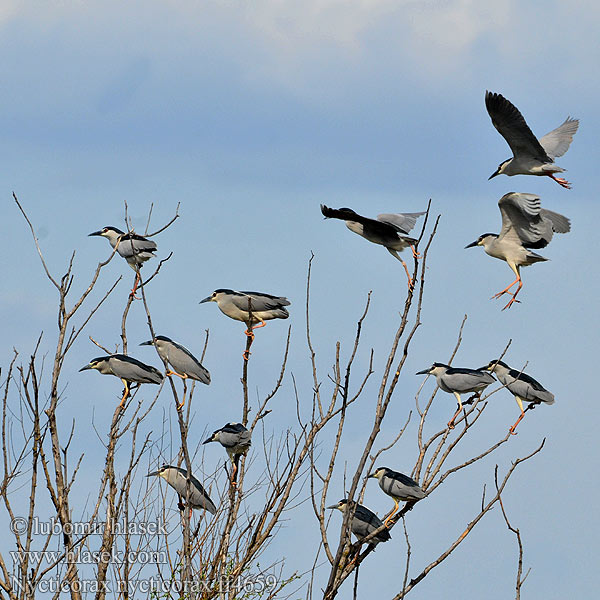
(526, 227)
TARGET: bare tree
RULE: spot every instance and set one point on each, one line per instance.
(198, 555)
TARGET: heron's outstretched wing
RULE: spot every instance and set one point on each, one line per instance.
(523, 216)
(511, 125)
(402, 222)
(560, 223)
(347, 214)
(557, 142)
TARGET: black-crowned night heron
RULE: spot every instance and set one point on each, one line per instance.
(134, 248)
(176, 477)
(388, 230)
(457, 381)
(183, 363)
(399, 486)
(530, 155)
(525, 225)
(364, 521)
(236, 439)
(239, 306)
(522, 386)
(127, 369)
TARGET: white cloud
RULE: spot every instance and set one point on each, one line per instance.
(320, 50)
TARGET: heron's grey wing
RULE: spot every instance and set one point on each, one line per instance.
(529, 389)
(246, 438)
(560, 223)
(131, 244)
(229, 439)
(522, 220)
(403, 486)
(183, 361)
(259, 301)
(403, 222)
(187, 354)
(135, 369)
(199, 496)
(511, 125)
(466, 382)
(557, 142)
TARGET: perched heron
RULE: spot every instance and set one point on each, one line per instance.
(177, 478)
(363, 522)
(388, 230)
(457, 381)
(236, 439)
(183, 363)
(525, 225)
(522, 386)
(530, 155)
(239, 306)
(134, 248)
(399, 486)
(127, 369)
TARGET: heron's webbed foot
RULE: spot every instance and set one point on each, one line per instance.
(512, 301)
(136, 283)
(505, 291)
(169, 373)
(450, 424)
(561, 181)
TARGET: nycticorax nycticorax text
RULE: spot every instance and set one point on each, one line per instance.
(236, 439)
(388, 230)
(176, 477)
(530, 155)
(183, 363)
(364, 521)
(134, 248)
(525, 225)
(399, 486)
(457, 381)
(522, 386)
(127, 369)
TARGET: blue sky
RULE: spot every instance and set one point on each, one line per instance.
(252, 114)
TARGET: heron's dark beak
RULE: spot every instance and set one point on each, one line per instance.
(148, 343)
(210, 439)
(95, 233)
(206, 300)
(331, 507)
(472, 244)
(371, 475)
(497, 172)
(153, 473)
(425, 372)
(88, 366)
